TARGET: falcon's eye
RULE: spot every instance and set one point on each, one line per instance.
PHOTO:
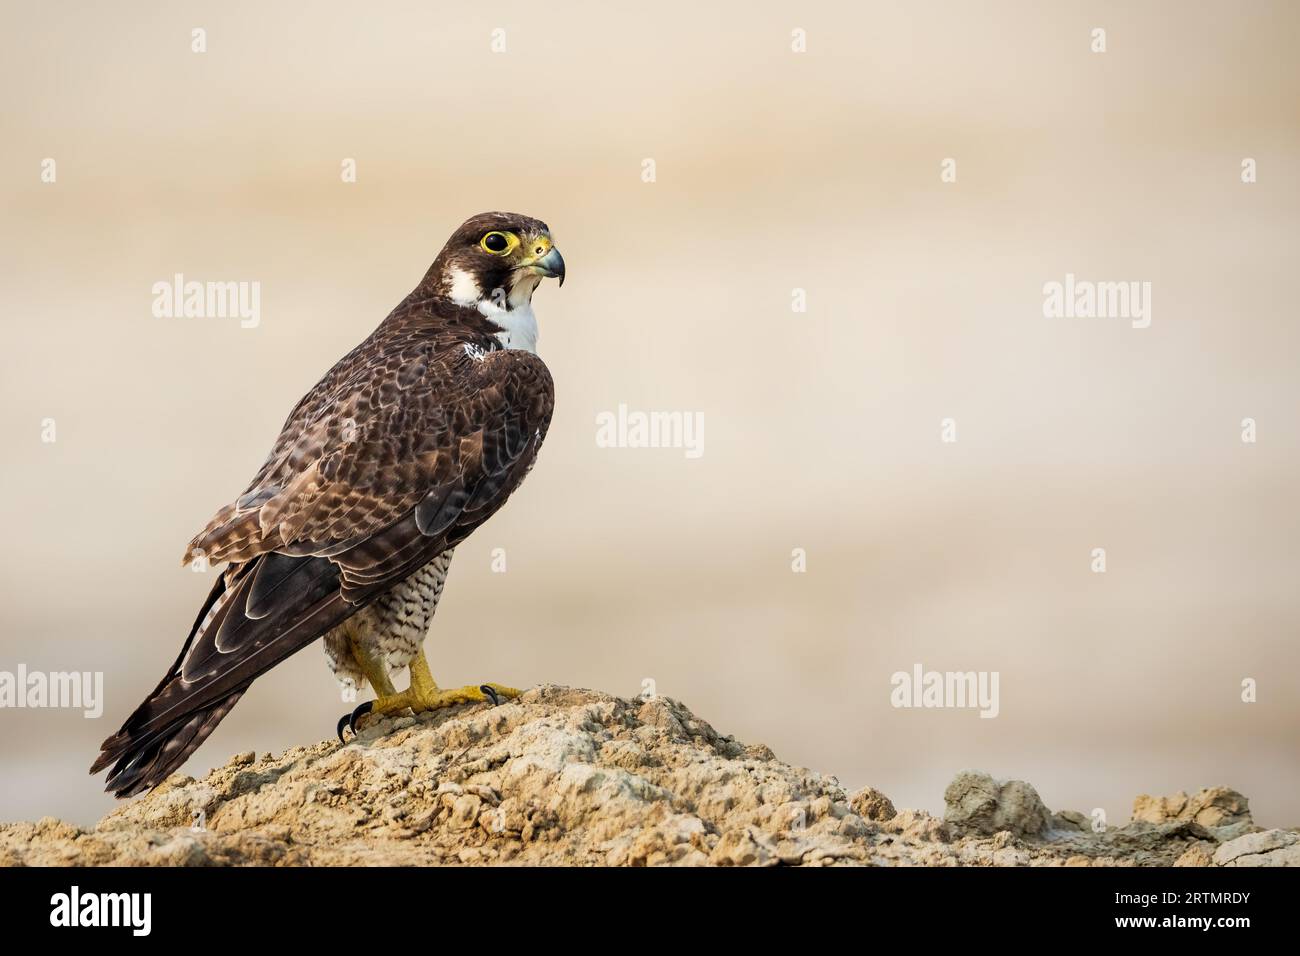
(499, 243)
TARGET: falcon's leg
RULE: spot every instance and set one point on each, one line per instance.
(424, 694)
(373, 665)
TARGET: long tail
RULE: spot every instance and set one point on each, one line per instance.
(146, 761)
(257, 614)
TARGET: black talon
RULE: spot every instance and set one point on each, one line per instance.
(491, 693)
(350, 720)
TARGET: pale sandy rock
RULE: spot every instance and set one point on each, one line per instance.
(744, 846)
(1149, 809)
(918, 826)
(1211, 807)
(1266, 848)
(1200, 854)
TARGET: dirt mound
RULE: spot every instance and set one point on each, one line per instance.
(566, 776)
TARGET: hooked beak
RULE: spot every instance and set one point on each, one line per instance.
(545, 260)
(551, 265)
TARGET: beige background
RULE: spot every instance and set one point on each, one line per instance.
(775, 171)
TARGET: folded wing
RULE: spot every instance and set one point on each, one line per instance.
(400, 452)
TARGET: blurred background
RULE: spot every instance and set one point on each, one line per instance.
(775, 171)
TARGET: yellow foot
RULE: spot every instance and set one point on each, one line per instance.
(469, 694)
(425, 695)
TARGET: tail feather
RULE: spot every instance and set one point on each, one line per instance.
(229, 646)
(145, 762)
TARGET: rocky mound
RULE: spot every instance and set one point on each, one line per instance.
(565, 776)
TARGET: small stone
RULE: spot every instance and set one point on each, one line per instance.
(1070, 820)
(870, 804)
(974, 801)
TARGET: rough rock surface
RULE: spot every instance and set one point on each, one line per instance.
(1213, 807)
(977, 803)
(1269, 848)
(565, 776)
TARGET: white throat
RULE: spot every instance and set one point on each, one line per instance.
(513, 314)
(518, 326)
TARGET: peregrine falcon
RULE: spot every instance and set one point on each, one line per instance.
(414, 439)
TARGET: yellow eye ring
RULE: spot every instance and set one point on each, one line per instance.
(499, 243)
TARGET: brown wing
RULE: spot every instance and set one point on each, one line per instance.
(409, 444)
(368, 443)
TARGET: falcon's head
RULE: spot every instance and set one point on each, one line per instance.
(495, 260)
